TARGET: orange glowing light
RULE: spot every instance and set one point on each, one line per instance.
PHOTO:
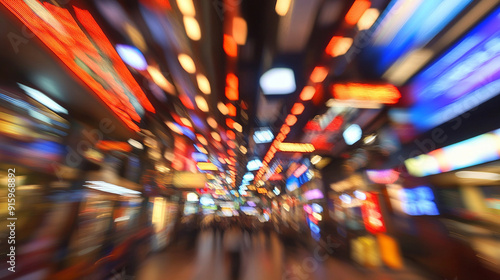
(230, 46)
(231, 144)
(232, 80)
(231, 109)
(296, 147)
(232, 94)
(231, 153)
(356, 11)
(290, 120)
(307, 93)
(285, 129)
(113, 146)
(319, 74)
(385, 94)
(207, 166)
(75, 45)
(186, 101)
(230, 123)
(297, 109)
(231, 135)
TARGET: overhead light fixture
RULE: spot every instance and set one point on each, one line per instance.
(216, 136)
(338, 46)
(174, 127)
(297, 109)
(319, 74)
(192, 197)
(254, 164)
(352, 134)
(203, 83)
(110, 188)
(230, 134)
(229, 45)
(360, 195)
(248, 176)
(237, 127)
(186, 122)
(282, 7)
(478, 175)
(369, 139)
(212, 122)
(202, 139)
(192, 27)
(201, 103)
(263, 136)
(290, 120)
(357, 9)
(136, 144)
(230, 123)
(278, 81)
(187, 63)
(160, 80)
(43, 99)
(132, 56)
(186, 7)
(368, 19)
(232, 84)
(239, 30)
(243, 150)
(316, 159)
(222, 108)
(231, 109)
(307, 93)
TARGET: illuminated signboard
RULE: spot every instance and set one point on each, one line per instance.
(296, 147)
(418, 201)
(292, 183)
(75, 37)
(387, 176)
(408, 25)
(473, 151)
(464, 77)
(386, 94)
(372, 217)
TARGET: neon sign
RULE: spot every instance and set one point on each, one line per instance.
(418, 201)
(466, 76)
(473, 151)
(372, 216)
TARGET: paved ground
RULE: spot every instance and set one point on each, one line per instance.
(263, 259)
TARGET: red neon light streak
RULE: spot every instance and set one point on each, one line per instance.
(372, 216)
(66, 48)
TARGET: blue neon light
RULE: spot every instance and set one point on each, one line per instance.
(419, 202)
(464, 77)
(423, 23)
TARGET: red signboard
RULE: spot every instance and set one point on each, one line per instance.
(372, 217)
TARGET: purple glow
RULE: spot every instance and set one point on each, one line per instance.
(251, 203)
(314, 194)
(460, 80)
